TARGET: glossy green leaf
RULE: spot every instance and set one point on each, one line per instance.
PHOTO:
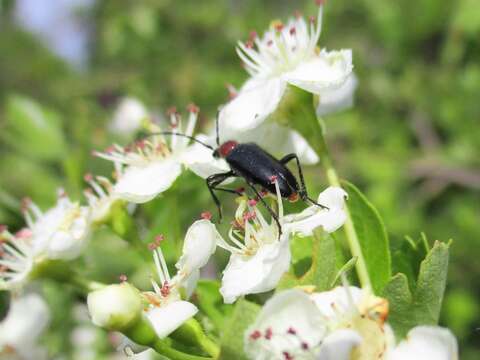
(372, 237)
(209, 300)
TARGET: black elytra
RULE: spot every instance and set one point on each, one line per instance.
(257, 167)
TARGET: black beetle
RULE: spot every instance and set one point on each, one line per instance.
(250, 162)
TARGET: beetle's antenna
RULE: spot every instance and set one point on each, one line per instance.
(178, 134)
(217, 127)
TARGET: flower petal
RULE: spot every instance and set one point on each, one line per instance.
(288, 315)
(167, 318)
(257, 273)
(336, 99)
(200, 243)
(142, 184)
(255, 101)
(200, 160)
(128, 116)
(312, 217)
(339, 345)
(338, 300)
(327, 71)
(426, 342)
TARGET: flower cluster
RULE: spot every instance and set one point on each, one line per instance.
(343, 323)
(297, 323)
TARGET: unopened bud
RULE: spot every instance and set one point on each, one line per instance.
(115, 307)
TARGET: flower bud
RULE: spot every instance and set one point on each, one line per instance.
(115, 307)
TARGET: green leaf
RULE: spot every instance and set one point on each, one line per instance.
(372, 237)
(313, 262)
(32, 129)
(209, 300)
(422, 306)
(231, 343)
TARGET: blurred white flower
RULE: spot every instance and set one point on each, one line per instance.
(150, 166)
(166, 310)
(426, 342)
(128, 117)
(330, 218)
(26, 320)
(290, 326)
(60, 233)
(288, 54)
(259, 256)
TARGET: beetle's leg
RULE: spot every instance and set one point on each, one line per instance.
(303, 189)
(270, 210)
(212, 182)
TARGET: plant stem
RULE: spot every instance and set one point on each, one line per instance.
(350, 232)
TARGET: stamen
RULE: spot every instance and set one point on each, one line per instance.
(123, 278)
(253, 35)
(192, 108)
(252, 202)
(287, 356)
(255, 335)
(249, 215)
(305, 346)
(320, 2)
(268, 333)
(206, 215)
(291, 331)
(165, 290)
(272, 178)
(88, 177)
(293, 30)
(232, 92)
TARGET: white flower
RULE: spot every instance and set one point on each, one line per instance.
(60, 233)
(330, 218)
(26, 320)
(100, 197)
(166, 310)
(426, 342)
(259, 256)
(128, 116)
(288, 54)
(150, 166)
(290, 326)
(116, 306)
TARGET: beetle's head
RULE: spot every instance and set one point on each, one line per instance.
(223, 150)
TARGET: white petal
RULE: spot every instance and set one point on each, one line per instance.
(27, 318)
(258, 273)
(336, 99)
(290, 309)
(328, 70)
(277, 140)
(313, 217)
(200, 160)
(142, 184)
(166, 319)
(254, 102)
(338, 300)
(339, 345)
(426, 342)
(200, 243)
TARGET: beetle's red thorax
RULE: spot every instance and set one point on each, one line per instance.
(227, 147)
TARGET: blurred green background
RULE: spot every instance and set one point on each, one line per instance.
(411, 143)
